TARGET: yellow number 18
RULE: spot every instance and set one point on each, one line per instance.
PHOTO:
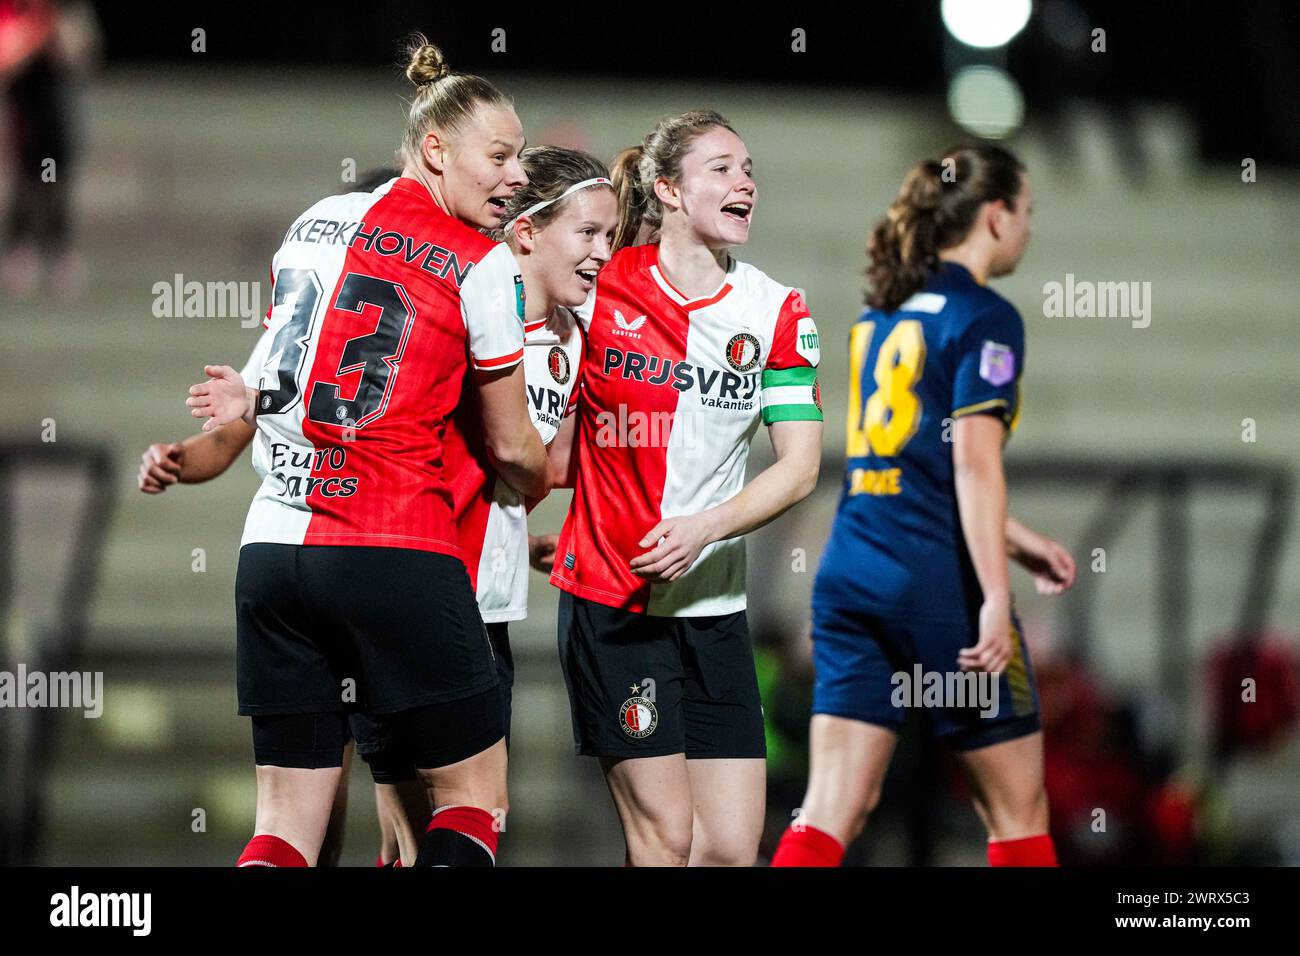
(892, 413)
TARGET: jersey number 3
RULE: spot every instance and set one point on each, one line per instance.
(892, 413)
(375, 354)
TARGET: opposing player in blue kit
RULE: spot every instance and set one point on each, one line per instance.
(914, 580)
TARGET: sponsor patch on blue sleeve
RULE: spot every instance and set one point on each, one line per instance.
(997, 363)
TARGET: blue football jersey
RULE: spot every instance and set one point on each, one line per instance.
(955, 348)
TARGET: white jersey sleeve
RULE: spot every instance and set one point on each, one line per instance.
(492, 305)
(251, 373)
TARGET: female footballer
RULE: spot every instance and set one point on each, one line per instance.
(915, 572)
(687, 351)
(383, 302)
(560, 227)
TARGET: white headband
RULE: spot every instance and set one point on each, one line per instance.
(538, 206)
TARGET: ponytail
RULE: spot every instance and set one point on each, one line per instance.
(625, 174)
(935, 210)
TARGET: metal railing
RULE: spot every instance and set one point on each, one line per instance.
(27, 735)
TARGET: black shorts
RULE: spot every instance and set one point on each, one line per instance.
(380, 630)
(642, 686)
(384, 750)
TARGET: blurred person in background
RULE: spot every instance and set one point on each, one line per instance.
(915, 574)
(43, 44)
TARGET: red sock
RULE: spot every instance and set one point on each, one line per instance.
(808, 846)
(267, 850)
(1027, 851)
(473, 824)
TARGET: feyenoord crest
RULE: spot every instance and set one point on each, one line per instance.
(742, 352)
(638, 717)
(558, 362)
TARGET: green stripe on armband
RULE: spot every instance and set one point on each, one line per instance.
(776, 377)
(791, 413)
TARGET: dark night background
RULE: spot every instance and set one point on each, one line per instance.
(1232, 64)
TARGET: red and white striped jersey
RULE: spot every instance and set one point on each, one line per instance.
(490, 514)
(672, 392)
(381, 302)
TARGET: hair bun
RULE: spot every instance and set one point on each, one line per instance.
(923, 187)
(426, 64)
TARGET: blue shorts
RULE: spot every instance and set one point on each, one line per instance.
(873, 668)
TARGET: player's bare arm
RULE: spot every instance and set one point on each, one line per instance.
(982, 503)
(1047, 560)
(675, 543)
(511, 439)
(559, 452)
(197, 459)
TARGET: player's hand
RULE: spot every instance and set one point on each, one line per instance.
(994, 649)
(222, 399)
(674, 545)
(160, 467)
(1049, 563)
(541, 551)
